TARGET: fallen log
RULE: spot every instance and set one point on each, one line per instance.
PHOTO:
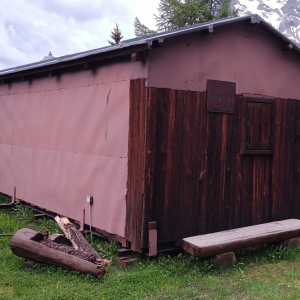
(74, 235)
(25, 243)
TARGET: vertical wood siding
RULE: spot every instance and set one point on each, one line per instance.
(199, 177)
(136, 164)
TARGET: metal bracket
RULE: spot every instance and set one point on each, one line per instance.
(155, 43)
(211, 28)
(287, 47)
(255, 19)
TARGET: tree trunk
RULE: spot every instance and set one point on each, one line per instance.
(25, 243)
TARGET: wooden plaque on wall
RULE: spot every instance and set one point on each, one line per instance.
(220, 96)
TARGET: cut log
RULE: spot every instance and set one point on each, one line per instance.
(25, 243)
(74, 235)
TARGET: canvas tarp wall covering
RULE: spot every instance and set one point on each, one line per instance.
(244, 55)
(63, 138)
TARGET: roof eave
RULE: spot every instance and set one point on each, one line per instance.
(139, 44)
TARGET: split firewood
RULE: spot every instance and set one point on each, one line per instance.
(28, 244)
(77, 239)
(74, 235)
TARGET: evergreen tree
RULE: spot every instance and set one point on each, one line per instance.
(115, 35)
(141, 29)
(179, 13)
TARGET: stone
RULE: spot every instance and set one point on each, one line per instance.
(291, 243)
(29, 264)
(225, 260)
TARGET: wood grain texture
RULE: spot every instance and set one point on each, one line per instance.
(74, 235)
(136, 165)
(25, 244)
(235, 239)
(205, 172)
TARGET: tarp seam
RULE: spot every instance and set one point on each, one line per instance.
(56, 150)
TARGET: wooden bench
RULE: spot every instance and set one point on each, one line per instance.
(229, 241)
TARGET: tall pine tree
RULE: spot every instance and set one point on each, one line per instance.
(179, 13)
(141, 29)
(115, 35)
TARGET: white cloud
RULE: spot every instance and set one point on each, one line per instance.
(29, 29)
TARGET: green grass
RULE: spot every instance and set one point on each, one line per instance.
(260, 273)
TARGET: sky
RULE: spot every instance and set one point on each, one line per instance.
(29, 29)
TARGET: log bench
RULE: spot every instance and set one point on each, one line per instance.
(223, 244)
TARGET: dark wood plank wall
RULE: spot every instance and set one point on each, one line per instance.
(199, 177)
(136, 164)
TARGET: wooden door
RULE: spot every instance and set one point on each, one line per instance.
(258, 139)
(259, 126)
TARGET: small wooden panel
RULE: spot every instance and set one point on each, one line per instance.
(152, 239)
(235, 239)
(220, 96)
(124, 252)
(258, 126)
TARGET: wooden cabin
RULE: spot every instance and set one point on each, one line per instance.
(181, 133)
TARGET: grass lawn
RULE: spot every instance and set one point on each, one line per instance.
(262, 273)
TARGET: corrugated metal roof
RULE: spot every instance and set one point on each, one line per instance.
(148, 41)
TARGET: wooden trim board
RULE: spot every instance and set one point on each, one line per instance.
(240, 238)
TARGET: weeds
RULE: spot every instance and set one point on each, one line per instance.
(274, 254)
(23, 213)
(106, 249)
(49, 224)
(4, 200)
(260, 273)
